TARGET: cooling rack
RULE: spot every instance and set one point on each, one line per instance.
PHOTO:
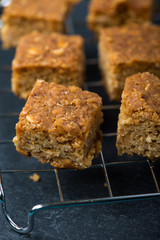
(105, 162)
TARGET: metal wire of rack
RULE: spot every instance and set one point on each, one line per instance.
(102, 165)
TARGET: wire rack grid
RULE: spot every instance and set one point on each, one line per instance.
(102, 162)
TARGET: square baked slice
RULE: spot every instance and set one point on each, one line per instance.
(55, 57)
(124, 51)
(107, 13)
(24, 16)
(139, 119)
(60, 125)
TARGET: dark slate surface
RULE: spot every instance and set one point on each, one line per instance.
(115, 221)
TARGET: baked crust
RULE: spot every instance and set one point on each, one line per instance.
(74, 2)
(54, 50)
(45, 9)
(66, 117)
(110, 6)
(59, 109)
(126, 44)
(105, 13)
(139, 118)
(142, 96)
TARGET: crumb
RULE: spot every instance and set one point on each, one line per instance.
(35, 177)
(105, 185)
